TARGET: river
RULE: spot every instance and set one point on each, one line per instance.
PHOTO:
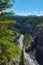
(26, 56)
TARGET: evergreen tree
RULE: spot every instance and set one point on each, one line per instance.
(5, 4)
(8, 49)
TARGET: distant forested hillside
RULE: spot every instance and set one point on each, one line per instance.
(27, 19)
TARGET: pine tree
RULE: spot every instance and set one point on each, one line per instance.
(5, 4)
(8, 49)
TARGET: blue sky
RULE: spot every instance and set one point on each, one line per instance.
(28, 7)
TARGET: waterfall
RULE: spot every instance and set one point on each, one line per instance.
(26, 56)
(21, 41)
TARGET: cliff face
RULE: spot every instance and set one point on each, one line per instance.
(27, 59)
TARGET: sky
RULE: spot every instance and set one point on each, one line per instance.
(28, 7)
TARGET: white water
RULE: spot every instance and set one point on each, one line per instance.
(27, 56)
(21, 41)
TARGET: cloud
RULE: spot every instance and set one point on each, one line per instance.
(37, 13)
(23, 14)
(40, 13)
